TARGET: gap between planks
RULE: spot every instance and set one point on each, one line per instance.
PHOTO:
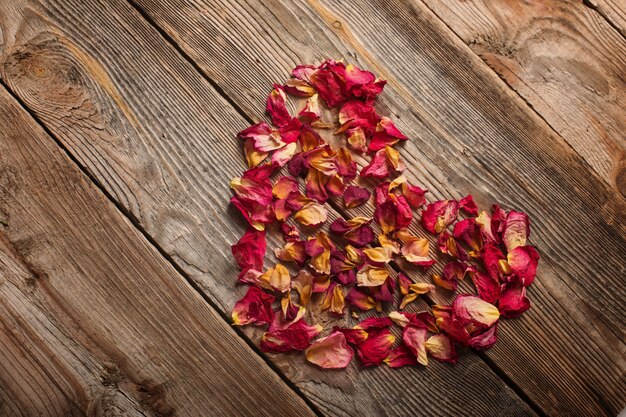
(590, 4)
(135, 222)
(490, 364)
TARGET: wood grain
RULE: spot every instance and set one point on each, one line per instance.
(470, 133)
(562, 58)
(161, 141)
(614, 11)
(94, 320)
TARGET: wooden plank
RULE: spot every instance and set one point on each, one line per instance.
(94, 320)
(471, 134)
(614, 11)
(562, 58)
(162, 142)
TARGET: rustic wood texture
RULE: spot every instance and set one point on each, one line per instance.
(94, 320)
(565, 60)
(614, 11)
(162, 143)
(471, 134)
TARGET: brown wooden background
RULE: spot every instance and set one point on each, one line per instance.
(117, 142)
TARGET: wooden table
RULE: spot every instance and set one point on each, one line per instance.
(117, 143)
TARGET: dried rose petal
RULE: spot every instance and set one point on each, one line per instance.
(401, 356)
(439, 215)
(415, 339)
(253, 156)
(384, 162)
(319, 249)
(468, 205)
(374, 323)
(386, 134)
(328, 80)
(276, 278)
(385, 292)
(440, 347)
(476, 310)
(513, 301)
(468, 232)
(354, 196)
(484, 339)
(392, 212)
(356, 231)
(371, 276)
(361, 300)
(290, 233)
(330, 352)
(309, 139)
(298, 88)
(296, 336)
(334, 299)
(254, 307)
(263, 137)
(516, 230)
(311, 214)
(523, 261)
(414, 195)
(284, 154)
(449, 246)
(357, 114)
(353, 336)
(404, 283)
(291, 311)
(311, 110)
(346, 167)
(276, 108)
(376, 348)
(303, 284)
(377, 256)
(415, 290)
(415, 250)
(488, 288)
(450, 324)
(378, 167)
(492, 256)
(451, 274)
(292, 252)
(254, 196)
(249, 251)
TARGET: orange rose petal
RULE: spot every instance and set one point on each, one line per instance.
(334, 299)
(312, 214)
(415, 250)
(303, 284)
(378, 255)
(371, 276)
(276, 278)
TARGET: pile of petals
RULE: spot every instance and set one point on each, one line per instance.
(294, 174)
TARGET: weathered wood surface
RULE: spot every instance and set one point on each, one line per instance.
(94, 321)
(565, 60)
(161, 141)
(471, 134)
(614, 11)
